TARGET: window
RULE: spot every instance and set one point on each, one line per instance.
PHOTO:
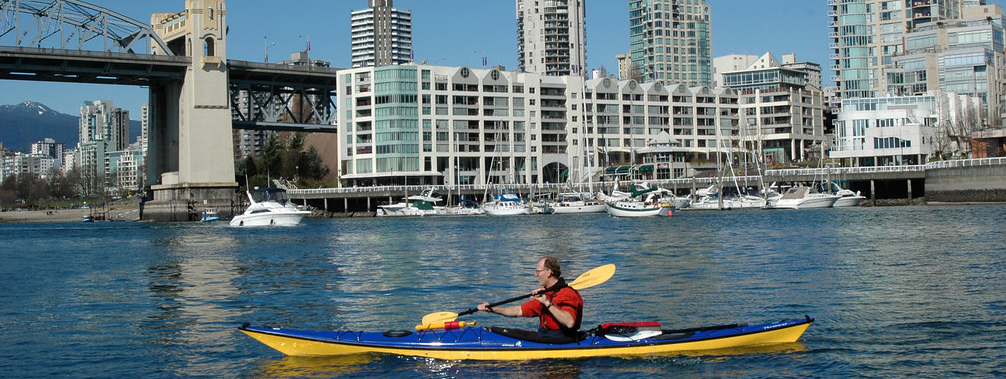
(209, 48)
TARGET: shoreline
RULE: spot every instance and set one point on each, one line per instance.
(115, 213)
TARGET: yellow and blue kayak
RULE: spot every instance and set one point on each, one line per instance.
(477, 343)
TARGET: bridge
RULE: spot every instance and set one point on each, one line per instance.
(197, 96)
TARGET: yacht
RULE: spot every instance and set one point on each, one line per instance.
(572, 202)
(269, 206)
(803, 198)
(423, 204)
(846, 198)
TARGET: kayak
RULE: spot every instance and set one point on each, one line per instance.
(480, 343)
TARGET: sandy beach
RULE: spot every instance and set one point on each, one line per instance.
(116, 213)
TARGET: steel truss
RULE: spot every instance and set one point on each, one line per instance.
(73, 25)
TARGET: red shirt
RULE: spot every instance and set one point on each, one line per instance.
(566, 299)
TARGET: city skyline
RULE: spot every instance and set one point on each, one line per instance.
(480, 29)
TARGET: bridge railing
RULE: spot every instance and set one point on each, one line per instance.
(51, 51)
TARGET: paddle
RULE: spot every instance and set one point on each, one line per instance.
(586, 280)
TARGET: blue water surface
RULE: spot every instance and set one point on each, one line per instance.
(897, 291)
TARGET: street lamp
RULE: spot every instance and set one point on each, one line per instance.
(267, 48)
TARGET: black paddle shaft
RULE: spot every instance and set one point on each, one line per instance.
(513, 299)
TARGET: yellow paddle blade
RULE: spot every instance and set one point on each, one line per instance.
(439, 317)
(593, 277)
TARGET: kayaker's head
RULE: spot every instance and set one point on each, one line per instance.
(547, 271)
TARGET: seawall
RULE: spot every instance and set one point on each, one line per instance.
(966, 181)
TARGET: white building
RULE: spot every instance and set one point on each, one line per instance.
(28, 163)
(424, 124)
(381, 35)
(550, 37)
(901, 130)
(781, 108)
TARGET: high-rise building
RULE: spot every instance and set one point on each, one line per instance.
(381, 35)
(101, 121)
(550, 37)
(964, 56)
(103, 129)
(866, 35)
(671, 41)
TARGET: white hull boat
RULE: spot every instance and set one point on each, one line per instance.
(506, 205)
(633, 208)
(269, 207)
(577, 203)
(803, 198)
(847, 198)
(423, 204)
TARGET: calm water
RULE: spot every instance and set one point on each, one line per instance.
(897, 291)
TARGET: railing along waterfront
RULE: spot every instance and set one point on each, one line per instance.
(376, 191)
(967, 162)
(844, 170)
(728, 181)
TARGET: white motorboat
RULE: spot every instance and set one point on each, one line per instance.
(803, 198)
(269, 206)
(570, 202)
(846, 198)
(423, 204)
(506, 204)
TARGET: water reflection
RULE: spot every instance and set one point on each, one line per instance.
(311, 367)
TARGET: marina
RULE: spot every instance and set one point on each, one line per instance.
(166, 299)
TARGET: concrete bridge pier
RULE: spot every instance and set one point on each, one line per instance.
(191, 163)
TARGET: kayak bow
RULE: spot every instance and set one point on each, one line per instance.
(495, 344)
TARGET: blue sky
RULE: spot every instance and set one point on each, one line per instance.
(449, 32)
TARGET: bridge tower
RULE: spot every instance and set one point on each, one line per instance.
(191, 159)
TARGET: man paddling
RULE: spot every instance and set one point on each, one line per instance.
(559, 308)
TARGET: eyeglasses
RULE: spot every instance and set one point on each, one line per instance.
(536, 271)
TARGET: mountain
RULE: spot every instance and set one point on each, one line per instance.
(22, 124)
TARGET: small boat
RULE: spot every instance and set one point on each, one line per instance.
(465, 207)
(803, 198)
(571, 202)
(639, 203)
(507, 204)
(477, 343)
(423, 204)
(846, 198)
(210, 215)
(269, 206)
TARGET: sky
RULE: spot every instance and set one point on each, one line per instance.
(450, 33)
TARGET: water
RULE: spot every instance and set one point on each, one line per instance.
(897, 291)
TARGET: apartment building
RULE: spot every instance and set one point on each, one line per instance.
(671, 41)
(551, 37)
(900, 130)
(781, 108)
(866, 35)
(424, 124)
(964, 56)
(381, 35)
